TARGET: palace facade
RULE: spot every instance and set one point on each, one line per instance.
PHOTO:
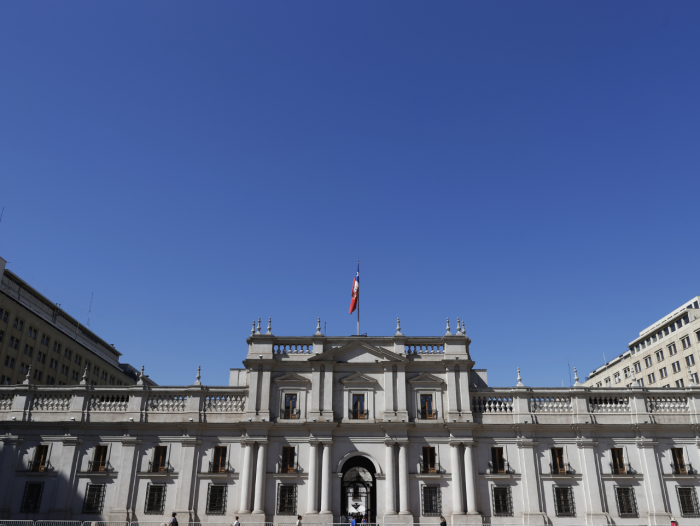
(397, 429)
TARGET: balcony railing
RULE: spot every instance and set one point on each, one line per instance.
(621, 470)
(159, 467)
(566, 469)
(504, 470)
(427, 415)
(288, 467)
(288, 414)
(358, 415)
(39, 466)
(430, 468)
(220, 467)
(682, 469)
(99, 466)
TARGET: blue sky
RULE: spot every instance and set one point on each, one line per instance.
(529, 167)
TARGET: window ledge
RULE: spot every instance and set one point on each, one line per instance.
(550, 476)
(501, 476)
(671, 476)
(97, 474)
(623, 476)
(206, 475)
(302, 475)
(148, 474)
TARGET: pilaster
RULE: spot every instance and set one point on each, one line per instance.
(184, 497)
(532, 510)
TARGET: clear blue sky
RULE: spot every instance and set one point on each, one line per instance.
(530, 167)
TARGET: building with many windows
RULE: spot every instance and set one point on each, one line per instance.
(665, 354)
(396, 429)
(36, 333)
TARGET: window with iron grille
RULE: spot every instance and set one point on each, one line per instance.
(155, 499)
(31, 500)
(688, 500)
(564, 501)
(626, 502)
(432, 505)
(287, 499)
(94, 498)
(502, 501)
(216, 499)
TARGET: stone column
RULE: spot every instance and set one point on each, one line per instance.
(186, 479)
(390, 475)
(311, 506)
(260, 479)
(120, 510)
(65, 474)
(470, 478)
(456, 468)
(389, 393)
(402, 411)
(591, 482)
(246, 477)
(532, 512)
(656, 503)
(403, 479)
(326, 480)
(9, 458)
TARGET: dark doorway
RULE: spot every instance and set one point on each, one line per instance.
(359, 490)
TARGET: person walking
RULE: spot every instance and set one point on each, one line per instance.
(443, 522)
(298, 520)
(353, 522)
(173, 520)
(236, 523)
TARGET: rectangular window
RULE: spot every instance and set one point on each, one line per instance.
(679, 383)
(690, 360)
(428, 465)
(9, 362)
(426, 407)
(663, 373)
(14, 343)
(40, 461)
(99, 461)
(697, 335)
(652, 378)
(31, 332)
(618, 461)
(4, 314)
(18, 324)
(358, 406)
(676, 366)
(31, 500)
(564, 501)
(647, 361)
(626, 501)
(502, 505)
(155, 499)
(672, 349)
(637, 367)
(659, 356)
(288, 460)
(685, 341)
(688, 500)
(431, 501)
(641, 382)
(160, 459)
(290, 406)
(287, 499)
(216, 499)
(219, 464)
(616, 377)
(94, 498)
(498, 463)
(558, 467)
(679, 467)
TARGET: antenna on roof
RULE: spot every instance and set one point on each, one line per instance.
(90, 311)
(569, 365)
(1, 213)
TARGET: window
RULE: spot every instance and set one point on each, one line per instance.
(67, 353)
(607, 382)
(659, 356)
(41, 357)
(50, 380)
(641, 382)
(94, 498)
(14, 343)
(679, 467)
(40, 461)
(2, 335)
(96, 370)
(290, 406)
(685, 341)
(672, 349)
(558, 466)
(626, 372)
(9, 362)
(219, 465)
(690, 360)
(502, 505)
(431, 501)
(4, 314)
(358, 406)
(676, 366)
(697, 335)
(626, 501)
(618, 461)
(288, 460)
(688, 501)
(498, 463)
(216, 499)
(426, 407)
(78, 359)
(648, 361)
(45, 340)
(155, 499)
(679, 383)
(617, 378)
(31, 500)
(4, 380)
(28, 350)
(673, 327)
(18, 324)
(637, 367)
(564, 501)
(694, 376)
(652, 378)
(663, 373)
(99, 461)
(160, 459)
(287, 499)
(31, 332)
(428, 464)
(22, 366)
(37, 375)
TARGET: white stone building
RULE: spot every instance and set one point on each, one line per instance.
(399, 429)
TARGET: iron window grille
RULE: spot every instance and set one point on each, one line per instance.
(688, 500)
(99, 466)
(428, 468)
(287, 499)
(626, 502)
(502, 501)
(39, 466)
(432, 502)
(159, 467)
(155, 499)
(565, 469)
(507, 470)
(220, 467)
(564, 501)
(94, 498)
(621, 470)
(216, 499)
(685, 468)
(31, 500)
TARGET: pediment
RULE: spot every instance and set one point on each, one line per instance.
(292, 378)
(358, 351)
(426, 379)
(358, 378)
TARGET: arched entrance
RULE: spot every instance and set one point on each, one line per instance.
(359, 490)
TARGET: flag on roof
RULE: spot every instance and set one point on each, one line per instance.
(355, 291)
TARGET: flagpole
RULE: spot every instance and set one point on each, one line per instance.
(358, 300)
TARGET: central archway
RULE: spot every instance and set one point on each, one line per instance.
(358, 495)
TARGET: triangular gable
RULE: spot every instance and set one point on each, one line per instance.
(334, 354)
(291, 378)
(426, 379)
(358, 378)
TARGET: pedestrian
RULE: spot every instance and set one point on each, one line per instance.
(173, 520)
(353, 522)
(298, 520)
(236, 523)
(364, 519)
(443, 522)
(674, 522)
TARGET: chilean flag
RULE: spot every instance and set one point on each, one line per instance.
(355, 291)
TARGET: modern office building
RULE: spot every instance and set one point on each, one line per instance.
(397, 429)
(665, 354)
(37, 333)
